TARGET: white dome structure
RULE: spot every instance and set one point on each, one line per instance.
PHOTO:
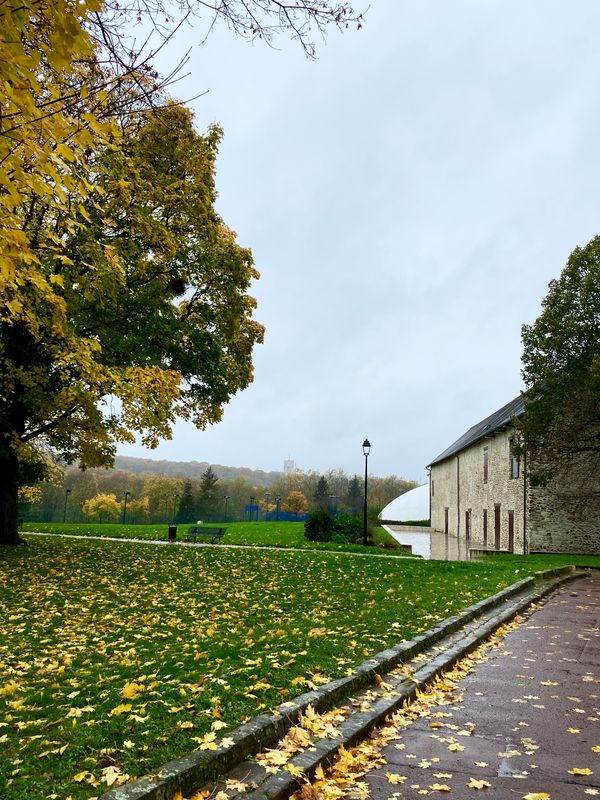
(412, 505)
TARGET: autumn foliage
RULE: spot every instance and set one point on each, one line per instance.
(123, 295)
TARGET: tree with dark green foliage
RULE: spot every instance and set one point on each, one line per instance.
(322, 492)
(188, 509)
(561, 368)
(354, 495)
(209, 496)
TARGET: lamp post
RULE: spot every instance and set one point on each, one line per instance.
(366, 450)
(267, 495)
(251, 508)
(175, 498)
(67, 493)
(277, 502)
(226, 498)
(126, 495)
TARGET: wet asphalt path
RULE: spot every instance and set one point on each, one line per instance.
(528, 718)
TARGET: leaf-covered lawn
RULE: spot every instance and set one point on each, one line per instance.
(117, 657)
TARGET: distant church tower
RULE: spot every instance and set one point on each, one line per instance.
(289, 467)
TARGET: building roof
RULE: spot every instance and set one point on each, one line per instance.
(499, 419)
(409, 506)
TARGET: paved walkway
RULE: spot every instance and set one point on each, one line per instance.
(528, 718)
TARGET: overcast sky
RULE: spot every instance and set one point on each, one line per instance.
(407, 197)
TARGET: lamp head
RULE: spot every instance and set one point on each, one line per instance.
(366, 447)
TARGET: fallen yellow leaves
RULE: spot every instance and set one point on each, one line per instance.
(536, 796)
(475, 784)
(440, 787)
(580, 771)
(120, 709)
(394, 778)
(131, 690)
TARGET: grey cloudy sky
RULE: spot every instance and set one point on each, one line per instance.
(407, 198)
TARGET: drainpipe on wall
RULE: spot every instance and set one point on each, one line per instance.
(525, 531)
(457, 496)
(429, 476)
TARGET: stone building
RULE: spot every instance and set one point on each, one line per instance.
(481, 492)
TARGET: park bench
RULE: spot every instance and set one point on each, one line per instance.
(195, 532)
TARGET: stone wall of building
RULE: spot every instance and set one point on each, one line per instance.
(443, 492)
(459, 485)
(564, 515)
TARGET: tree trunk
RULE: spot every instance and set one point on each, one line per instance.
(9, 500)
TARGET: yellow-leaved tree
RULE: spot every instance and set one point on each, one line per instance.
(123, 295)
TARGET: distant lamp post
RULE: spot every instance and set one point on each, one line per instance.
(227, 499)
(251, 508)
(366, 450)
(267, 495)
(126, 495)
(175, 499)
(277, 504)
(67, 493)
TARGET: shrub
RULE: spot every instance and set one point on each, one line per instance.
(350, 527)
(319, 526)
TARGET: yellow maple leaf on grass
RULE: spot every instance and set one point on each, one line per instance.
(580, 771)
(121, 709)
(536, 796)
(440, 787)
(131, 690)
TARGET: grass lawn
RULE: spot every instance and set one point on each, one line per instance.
(275, 534)
(120, 656)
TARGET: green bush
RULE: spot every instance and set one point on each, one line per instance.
(350, 527)
(343, 529)
(319, 527)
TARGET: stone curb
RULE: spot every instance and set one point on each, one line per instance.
(187, 774)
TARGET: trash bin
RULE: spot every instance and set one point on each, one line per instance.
(172, 533)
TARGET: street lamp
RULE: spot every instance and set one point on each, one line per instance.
(277, 503)
(126, 494)
(251, 508)
(267, 495)
(175, 498)
(366, 450)
(226, 498)
(67, 493)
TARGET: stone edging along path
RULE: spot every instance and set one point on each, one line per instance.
(444, 644)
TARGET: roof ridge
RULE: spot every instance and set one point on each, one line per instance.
(492, 423)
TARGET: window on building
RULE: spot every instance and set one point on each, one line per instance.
(485, 464)
(432, 487)
(485, 528)
(515, 462)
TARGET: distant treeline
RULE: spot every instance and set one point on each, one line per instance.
(143, 490)
(194, 469)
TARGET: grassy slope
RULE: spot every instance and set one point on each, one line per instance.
(275, 534)
(204, 635)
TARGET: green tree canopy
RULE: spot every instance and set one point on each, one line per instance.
(561, 365)
(142, 316)
(209, 496)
